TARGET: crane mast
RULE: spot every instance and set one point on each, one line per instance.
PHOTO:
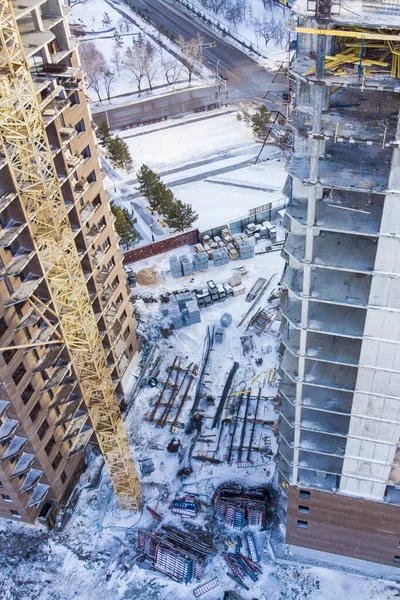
(29, 158)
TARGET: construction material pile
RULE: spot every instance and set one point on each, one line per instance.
(175, 553)
(181, 310)
(187, 507)
(238, 507)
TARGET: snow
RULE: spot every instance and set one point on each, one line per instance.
(190, 141)
(92, 557)
(207, 162)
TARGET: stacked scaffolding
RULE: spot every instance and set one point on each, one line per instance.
(175, 553)
(238, 507)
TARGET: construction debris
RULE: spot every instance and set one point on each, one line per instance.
(262, 320)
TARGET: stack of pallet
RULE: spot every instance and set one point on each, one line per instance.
(175, 266)
(220, 257)
(182, 310)
(200, 261)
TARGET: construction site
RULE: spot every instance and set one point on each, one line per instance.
(225, 421)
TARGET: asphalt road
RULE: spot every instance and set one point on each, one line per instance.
(245, 78)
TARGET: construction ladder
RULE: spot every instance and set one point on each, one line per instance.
(26, 147)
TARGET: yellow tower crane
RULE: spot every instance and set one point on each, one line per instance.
(25, 144)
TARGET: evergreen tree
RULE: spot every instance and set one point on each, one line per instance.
(124, 225)
(166, 201)
(147, 179)
(119, 42)
(106, 20)
(260, 121)
(119, 153)
(159, 197)
(104, 133)
(180, 216)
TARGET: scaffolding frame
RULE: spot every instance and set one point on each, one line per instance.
(29, 158)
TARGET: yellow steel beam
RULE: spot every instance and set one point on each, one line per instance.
(360, 35)
(24, 140)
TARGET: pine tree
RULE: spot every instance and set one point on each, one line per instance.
(260, 121)
(159, 197)
(124, 225)
(106, 20)
(119, 153)
(180, 216)
(119, 42)
(104, 133)
(147, 179)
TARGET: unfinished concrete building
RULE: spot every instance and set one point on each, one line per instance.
(44, 423)
(339, 457)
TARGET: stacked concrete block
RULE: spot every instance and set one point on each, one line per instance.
(219, 335)
(187, 267)
(204, 298)
(239, 290)
(220, 256)
(191, 314)
(232, 252)
(200, 261)
(228, 289)
(175, 316)
(175, 266)
(235, 280)
(221, 293)
(183, 298)
(226, 320)
(246, 250)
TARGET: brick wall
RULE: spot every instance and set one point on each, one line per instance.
(175, 241)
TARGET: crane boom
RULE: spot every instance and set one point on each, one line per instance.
(30, 161)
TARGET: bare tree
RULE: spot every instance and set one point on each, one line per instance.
(234, 11)
(150, 67)
(138, 58)
(192, 53)
(73, 3)
(116, 59)
(215, 5)
(124, 25)
(108, 78)
(94, 65)
(172, 68)
(271, 30)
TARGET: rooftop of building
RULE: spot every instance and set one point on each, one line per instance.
(363, 13)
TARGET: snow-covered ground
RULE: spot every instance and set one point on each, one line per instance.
(93, 556)
(209, 163)
(191, 140)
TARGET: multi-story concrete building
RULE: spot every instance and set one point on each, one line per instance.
(340, 388)
(44, 425)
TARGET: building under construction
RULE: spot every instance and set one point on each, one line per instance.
(339, 452)
(66, 326)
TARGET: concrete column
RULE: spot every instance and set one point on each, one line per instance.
(306, 292)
